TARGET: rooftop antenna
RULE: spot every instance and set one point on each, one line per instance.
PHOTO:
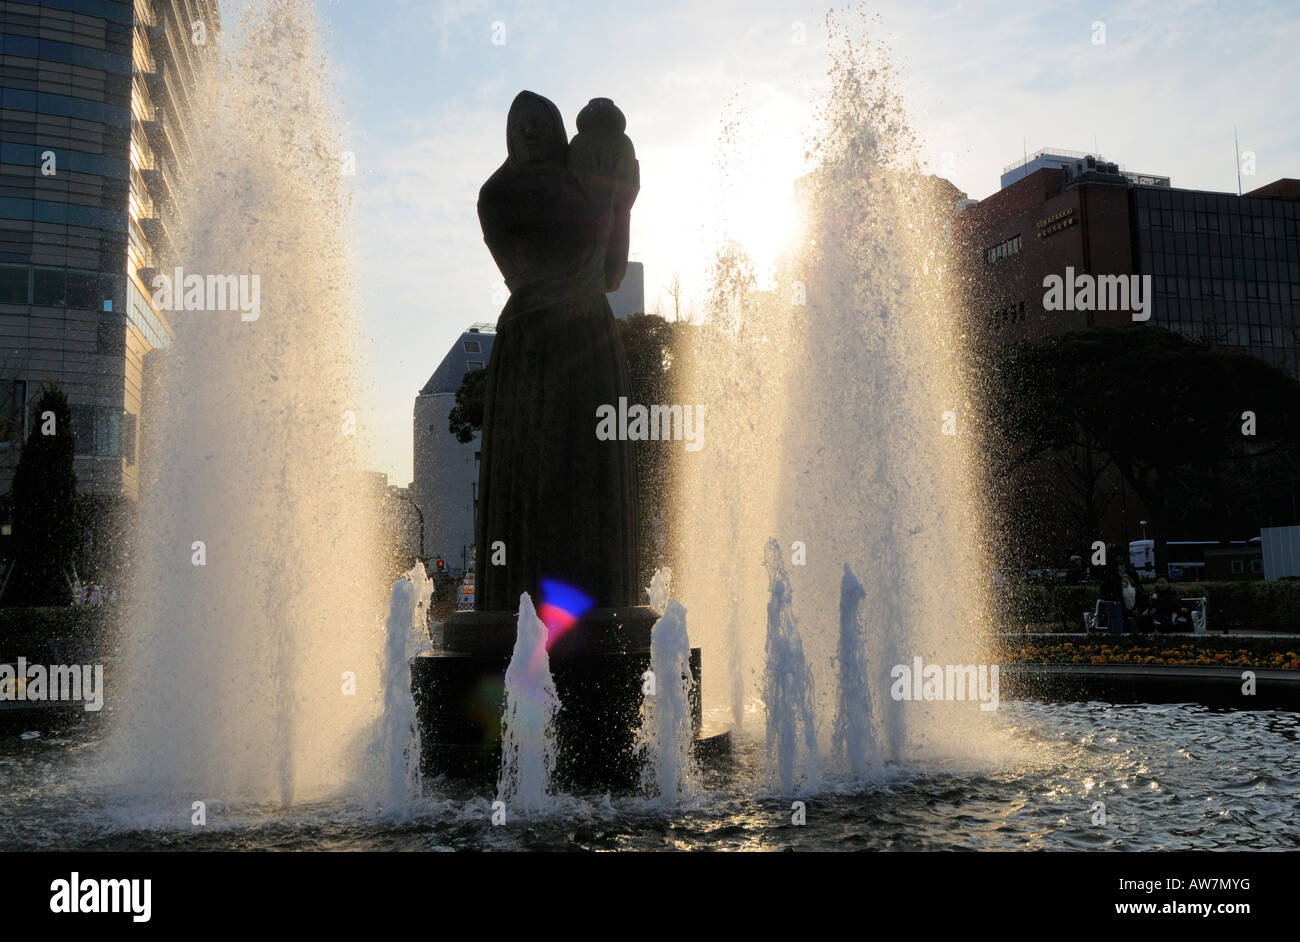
(1237, 151)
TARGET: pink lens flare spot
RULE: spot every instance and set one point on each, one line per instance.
(562, 606)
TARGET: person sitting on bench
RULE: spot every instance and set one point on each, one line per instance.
(1135, 604)
(1167, 610)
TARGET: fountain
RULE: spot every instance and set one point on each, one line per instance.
(668, 726)
(855, 733)
(251, 655)
(528, 724)
(827, 395)
(397, 747)
(788, 689)
(255, 679)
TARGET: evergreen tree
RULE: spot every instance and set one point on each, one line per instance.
(44, 517)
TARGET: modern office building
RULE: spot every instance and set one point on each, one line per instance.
(446, 470)
(1224, 269)
(629, 299)
(94, 112)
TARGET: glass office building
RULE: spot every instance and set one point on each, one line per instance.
(1225, 269)
(94, 112)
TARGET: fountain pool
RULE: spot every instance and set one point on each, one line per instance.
(828, 398)
(1175, 776)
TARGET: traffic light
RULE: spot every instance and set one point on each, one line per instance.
(442, 567)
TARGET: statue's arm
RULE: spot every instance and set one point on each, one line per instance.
(496, 236)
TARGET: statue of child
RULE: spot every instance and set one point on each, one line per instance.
(603, 160)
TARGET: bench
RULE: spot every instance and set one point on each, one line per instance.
(1196, 607)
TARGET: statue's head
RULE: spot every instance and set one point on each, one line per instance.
(601, 114)
(535, 133)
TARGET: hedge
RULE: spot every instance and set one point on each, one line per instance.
(1272, 605)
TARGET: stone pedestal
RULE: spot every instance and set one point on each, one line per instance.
(598, 666)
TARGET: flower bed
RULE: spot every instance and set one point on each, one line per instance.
(1282, 653)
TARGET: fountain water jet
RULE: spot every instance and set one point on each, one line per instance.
(255, 577)
(788, 688)
(398, 743)
(667, 723)
(528, 722)
(826, 398)
(854, 732)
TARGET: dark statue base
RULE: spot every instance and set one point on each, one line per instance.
(598, 666)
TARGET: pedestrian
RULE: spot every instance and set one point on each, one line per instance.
(1111, 592)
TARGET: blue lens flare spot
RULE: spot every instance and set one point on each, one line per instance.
(562, 606)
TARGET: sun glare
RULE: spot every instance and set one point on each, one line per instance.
(756, 202)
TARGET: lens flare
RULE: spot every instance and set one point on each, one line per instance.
(562, 606)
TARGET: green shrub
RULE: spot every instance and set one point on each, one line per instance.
(1272, 605)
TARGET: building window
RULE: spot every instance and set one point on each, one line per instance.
(1012, 313)
(1238, 565)
(49, 287)
(1003, 250)
(85, 291)
(104, 432)
(473, 346)
(14, 287)
(83, 427)
(1257, 565)
(475, 364)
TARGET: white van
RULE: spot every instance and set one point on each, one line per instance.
(1186, 562)
(1142, 558)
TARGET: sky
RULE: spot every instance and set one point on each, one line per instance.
(423, 87)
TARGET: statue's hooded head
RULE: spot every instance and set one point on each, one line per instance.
(535, 135)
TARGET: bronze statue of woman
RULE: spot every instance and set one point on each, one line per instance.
(554, 501)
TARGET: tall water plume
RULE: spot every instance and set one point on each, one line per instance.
(827, 399)
(256, 598)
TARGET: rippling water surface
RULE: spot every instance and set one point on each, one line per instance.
(1171, 777)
